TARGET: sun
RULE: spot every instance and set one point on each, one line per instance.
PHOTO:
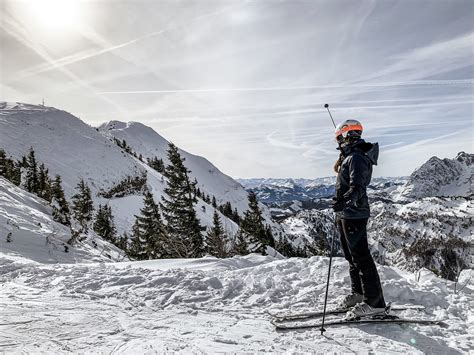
(56, 14)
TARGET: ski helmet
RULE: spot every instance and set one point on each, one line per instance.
(348, 128)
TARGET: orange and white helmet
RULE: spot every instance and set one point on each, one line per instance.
(348, 128)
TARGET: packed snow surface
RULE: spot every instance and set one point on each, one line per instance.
(212, 305)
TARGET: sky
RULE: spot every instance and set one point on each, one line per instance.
(243, 83)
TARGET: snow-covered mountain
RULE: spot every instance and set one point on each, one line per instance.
(442, 177)
(27, 230)
(145, 141)
(83, 304)
(75, 150)
(279, 192)
(66, 145)
(410, 227)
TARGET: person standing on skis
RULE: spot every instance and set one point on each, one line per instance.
(351, 204)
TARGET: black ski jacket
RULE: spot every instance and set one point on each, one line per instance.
(353, 178)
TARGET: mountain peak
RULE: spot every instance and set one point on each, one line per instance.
(442, 177)
(465, 158)
(20, 106)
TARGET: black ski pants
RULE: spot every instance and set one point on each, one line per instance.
(363, 272)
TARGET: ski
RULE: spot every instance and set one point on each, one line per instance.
(284, 317)
(341, 322)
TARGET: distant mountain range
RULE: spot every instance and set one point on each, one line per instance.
(278, 192)
(423, 221)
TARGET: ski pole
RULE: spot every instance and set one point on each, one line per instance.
(326, 106)
(329, 276)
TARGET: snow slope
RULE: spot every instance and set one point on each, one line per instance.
(210, 305)
(144, 140)
(36, 236)
(66, 145)
(73, 149)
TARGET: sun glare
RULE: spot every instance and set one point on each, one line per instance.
(56, 14)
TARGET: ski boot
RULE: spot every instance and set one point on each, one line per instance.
(346, 302)
(364, 310)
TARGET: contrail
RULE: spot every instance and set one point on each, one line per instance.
(335, 86)
(81, 56)
(18, 32)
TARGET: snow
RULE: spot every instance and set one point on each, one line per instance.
(36, 236)
(73, 149)
(211, 305)
(144, 140)
(441, 177)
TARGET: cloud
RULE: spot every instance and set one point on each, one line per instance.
(434, 59)
(12, 27)
(109, 48)
(241, 81)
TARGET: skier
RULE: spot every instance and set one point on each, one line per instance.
(354, 171)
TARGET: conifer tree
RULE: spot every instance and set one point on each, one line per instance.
(214, 202)
(122, 242)
(183, 225)
(259, 237)
(61, 212)
(235, 216)
(151, 232)
(240, 246)
(44, 183)
(83, 206)
(31, 180)
(10, 169)
(216, 240)
(104, 224)
(15, 172)
(3, 164)
(136, 249)
(285, 248)
(156, 164)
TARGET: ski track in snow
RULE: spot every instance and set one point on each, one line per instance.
(210, 305)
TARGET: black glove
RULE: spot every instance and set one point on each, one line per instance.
(337, 204)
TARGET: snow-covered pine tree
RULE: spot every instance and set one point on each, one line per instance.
(235, 216)
(156, 164)
(31, 179)
(10, 169)
(122, 242)
(285, 248)
(83, 206)
(136, 249)
(240, 245)
(183, 226)
(104, 224)
(258, 236)
(61, 212)
(214, 202)
(3, 164)
(216, 239)
(151, 231)
(44, 183)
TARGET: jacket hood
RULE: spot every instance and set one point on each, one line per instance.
(371, 150)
